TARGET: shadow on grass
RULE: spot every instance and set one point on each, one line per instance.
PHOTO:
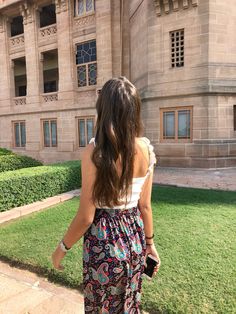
(191, 196)
(51, 274)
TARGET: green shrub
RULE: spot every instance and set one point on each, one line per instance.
(13, 162)
(25, 186)
(4, 151)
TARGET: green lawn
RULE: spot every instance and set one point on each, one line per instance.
(195, 237)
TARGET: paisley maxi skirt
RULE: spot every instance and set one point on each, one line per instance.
(113, 262)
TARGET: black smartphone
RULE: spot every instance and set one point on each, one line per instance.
(151, 263)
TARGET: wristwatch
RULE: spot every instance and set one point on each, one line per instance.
(63, 247)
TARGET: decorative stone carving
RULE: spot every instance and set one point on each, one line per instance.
(158, 7)
(50, 97)
(61, 5)
(17, 41)
(26, 11)
(20, 101)
(185, 4)
(85, 20)
(194, 3)
(175, 5)
(47, 31)
(166, 6)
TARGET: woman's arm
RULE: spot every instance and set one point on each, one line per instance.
(145, 206)
(146, 211)
(85, 215)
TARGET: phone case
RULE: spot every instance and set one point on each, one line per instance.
(150, 264)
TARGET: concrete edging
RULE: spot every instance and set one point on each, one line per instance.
(36, 206)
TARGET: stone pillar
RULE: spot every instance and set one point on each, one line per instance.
(116, 38)
(104, 41)
(28, 12)
(66, 57)
(5, 81)
(125, 39)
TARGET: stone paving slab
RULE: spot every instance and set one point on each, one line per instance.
(22, 301)
(23, 292)
(8, 291)
(28, 293)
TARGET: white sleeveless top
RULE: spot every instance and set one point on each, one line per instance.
(137, 184)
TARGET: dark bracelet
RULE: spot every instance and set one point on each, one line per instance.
(68, 248)
(149, 243)
(149, 238)
(64, 247)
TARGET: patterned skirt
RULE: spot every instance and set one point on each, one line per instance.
(113, 262)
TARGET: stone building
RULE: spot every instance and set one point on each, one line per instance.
(181, 54)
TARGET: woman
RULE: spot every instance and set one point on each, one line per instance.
(115, 215)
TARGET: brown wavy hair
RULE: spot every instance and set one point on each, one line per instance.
(118, 123)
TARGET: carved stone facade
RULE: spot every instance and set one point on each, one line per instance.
(179, 53)
(167, 6)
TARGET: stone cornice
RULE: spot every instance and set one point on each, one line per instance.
(40, 111)
(145, 96)
(61, 6)
(167, 6)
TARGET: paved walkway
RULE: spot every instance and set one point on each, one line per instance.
(219, 179)
(23, 292)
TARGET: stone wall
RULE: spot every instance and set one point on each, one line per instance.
(133, 39)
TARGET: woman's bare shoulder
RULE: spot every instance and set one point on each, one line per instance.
(87, 154)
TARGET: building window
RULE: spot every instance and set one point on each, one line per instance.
(86, 58)
(47, 15)
(234, 117)
(17, 27)
(50, 87)
(177, 48)
(20, 78)
(176, 124)
(19, 134)
(50, 133)
(85, 130)
(22, 90)
(83, 7)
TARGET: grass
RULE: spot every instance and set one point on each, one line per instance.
(194, 235)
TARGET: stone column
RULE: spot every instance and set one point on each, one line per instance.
(125, 39)
(5, 81)
(28, 12)
(66, 58)
(104, 41)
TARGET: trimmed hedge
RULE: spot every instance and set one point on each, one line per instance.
(25, 186)
(4, 151)
(13, 162)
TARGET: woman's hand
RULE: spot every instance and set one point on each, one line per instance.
(151, 249)
(57, 257)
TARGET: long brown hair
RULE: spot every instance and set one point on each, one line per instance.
(118, 123)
